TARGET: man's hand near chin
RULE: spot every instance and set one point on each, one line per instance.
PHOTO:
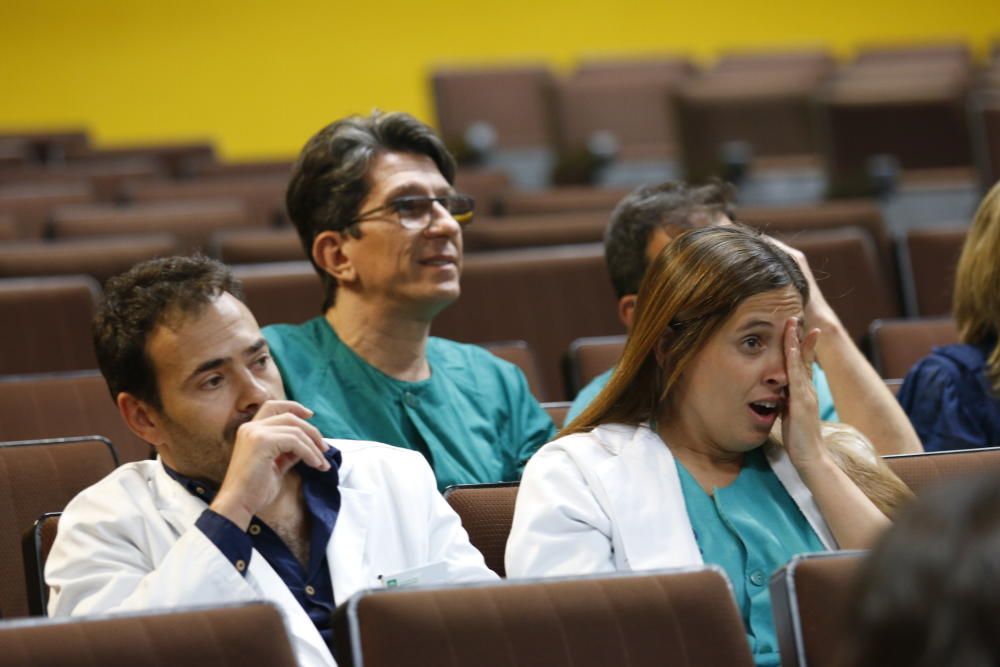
(266, 448)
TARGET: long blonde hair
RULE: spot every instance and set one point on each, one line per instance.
(688, 293)
(977, 283)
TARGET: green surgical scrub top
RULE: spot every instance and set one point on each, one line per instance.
(750, 528)
(475, 418)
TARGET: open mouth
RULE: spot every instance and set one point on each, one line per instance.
(439, 261)
(766, 409)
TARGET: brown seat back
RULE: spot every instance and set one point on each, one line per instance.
(898, 344)
(516, 101)
(263, 195)
(60, 405)
(920, 471)
(845, 264)
(809, 599)
(46, 324)
(248, 635)
(681, 618)
(519, 231)
(520, 354)
(487, 512)
(35, 547)
(99, 258)
(31, 204)
(933, 255)
(589, 357)
(39, 476)
(255, 245)
(192, 222)
(281, 291)
(544, 296)
(557, 411)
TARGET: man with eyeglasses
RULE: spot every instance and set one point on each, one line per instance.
(373, 200)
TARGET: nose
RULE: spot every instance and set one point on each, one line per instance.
(442, 222)
(253, 392)
(776, 374)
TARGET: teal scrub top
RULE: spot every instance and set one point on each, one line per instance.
(827, 412)
(750, 528)
(474, 419)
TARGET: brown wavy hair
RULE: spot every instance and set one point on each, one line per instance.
(977, 284)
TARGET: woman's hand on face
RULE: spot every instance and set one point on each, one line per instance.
(800, 426)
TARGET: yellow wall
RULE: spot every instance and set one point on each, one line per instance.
(259, 77)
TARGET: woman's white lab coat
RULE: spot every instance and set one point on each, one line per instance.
(610, 500)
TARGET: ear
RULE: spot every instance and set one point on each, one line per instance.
(626, 310)
(141, 419)
(328, 253)
(662, 347)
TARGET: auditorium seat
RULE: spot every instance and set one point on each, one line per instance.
(106, 177)
(248, 635)
(519, 231)
(817, 60)
(57, 405)
(54, 145)
(173, 157)
(257, 244)
(208, 167)
(31, 205)
(809, 600)
(486, 186)
(921, 471)
(768, 110)
(39, 476)
(513, 100)
(521, 355)
(264, 196)
(562, 200)
(510, 104)
(544, 296)
(637, 113)
(686, 618)
(278, 292)
(191, 222)
(47, 324)
(930, 272)
(845, 265)
(898, 344)
(99, 257)
(8, 230)
(487, 512)
(985, 121)
(653, 67)
(591, 356)
(862, 213)
(557, 411)
(36, 543)
(916, 114)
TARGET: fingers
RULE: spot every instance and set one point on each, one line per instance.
(272, 408)
(795, 363)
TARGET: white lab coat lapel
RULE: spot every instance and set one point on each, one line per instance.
(645, 501)
(346, 551)
(786, 473)
(180, 509)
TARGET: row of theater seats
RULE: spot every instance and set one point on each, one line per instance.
(393, 628)
(687, 614)
(520, 282)
(611, 121)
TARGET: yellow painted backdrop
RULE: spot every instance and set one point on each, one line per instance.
(258, 78)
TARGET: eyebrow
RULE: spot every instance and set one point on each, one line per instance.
(753, 324)
(416, 189)
(212, 364)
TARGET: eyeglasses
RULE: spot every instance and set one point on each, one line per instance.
(415, 211)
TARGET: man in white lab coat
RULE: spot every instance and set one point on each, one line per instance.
(246, 501)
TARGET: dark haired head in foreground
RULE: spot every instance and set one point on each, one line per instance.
(929, 593)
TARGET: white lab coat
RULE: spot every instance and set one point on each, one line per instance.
(610, 500)
(129, 543)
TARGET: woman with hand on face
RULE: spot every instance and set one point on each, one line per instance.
(678, 461)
